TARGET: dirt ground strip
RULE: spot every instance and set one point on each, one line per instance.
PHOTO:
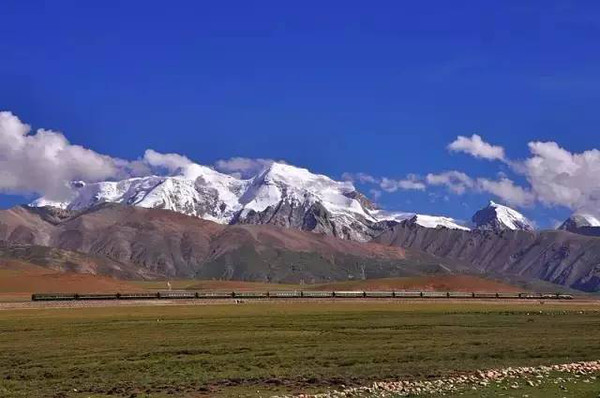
(16, 305)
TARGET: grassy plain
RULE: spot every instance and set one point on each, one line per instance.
(238, 350)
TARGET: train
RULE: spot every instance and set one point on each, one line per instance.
(300, 294)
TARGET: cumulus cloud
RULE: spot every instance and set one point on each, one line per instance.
(507, 190)
(555, 176)
(44, 161)
(242, 167)
(456, 181)
(169, 161)
(560, 177)
(475, 146)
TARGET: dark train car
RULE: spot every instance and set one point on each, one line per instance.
(53, 296)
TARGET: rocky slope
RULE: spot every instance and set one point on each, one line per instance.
(166, 243)
(556, 256)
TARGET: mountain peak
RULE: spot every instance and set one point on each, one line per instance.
(582, 223)
(497, 217)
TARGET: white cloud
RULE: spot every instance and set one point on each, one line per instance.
(456, 181)
(44, 161)
(559, 177)
(506, 190)
(475, 146)
(169, 161)
(410, 183)
(242, 167)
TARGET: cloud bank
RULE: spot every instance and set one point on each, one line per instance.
(43, 162)
(554, 176)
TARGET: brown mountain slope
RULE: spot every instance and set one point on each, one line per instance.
(556, 256)
(165, 243)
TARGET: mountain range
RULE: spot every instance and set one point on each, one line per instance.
(280, 194)
(285, 224)
(133, 242)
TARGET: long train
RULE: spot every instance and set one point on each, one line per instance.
(173, 295)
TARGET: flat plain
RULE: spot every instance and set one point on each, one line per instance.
(267, 348)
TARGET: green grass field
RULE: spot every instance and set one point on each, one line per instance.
(237, 350)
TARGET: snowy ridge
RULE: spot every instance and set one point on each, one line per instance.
(497, 217)
(579, 220)
(200, 192)
(582, 223)
(423, 220)
(438, 222)
(280, 194)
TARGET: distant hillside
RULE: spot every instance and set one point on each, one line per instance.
(556, 256)
(134, 242)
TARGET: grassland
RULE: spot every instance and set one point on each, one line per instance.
(237, 350)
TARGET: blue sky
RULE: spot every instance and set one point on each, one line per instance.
(332, 86)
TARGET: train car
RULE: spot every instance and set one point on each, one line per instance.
(483, 295)
(435, 294)
(137, 296)
(107, 296)
(348, 294)
(212, 295)
(464, 295)
(317, 294)
(285, 294)
(176, 295)
(380, 294)
(249, 295)
(405, 294)
(509, 295)
(564, 296)
(53, 296)
(531, 296)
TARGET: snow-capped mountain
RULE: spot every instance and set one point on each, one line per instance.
(582, 223)
(496, 217)
(199, 191)
(281, 194)
(423, 220)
